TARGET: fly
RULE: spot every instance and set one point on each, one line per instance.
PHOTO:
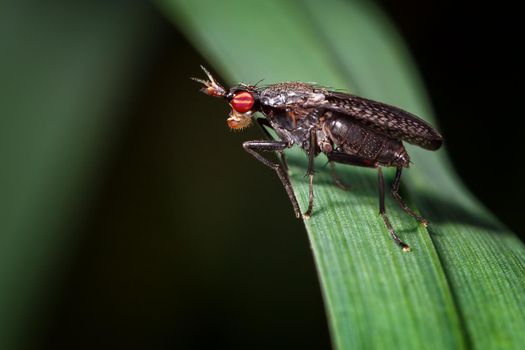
(346, 128)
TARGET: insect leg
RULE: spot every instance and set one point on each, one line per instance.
(401, 202)
(356, 160)
(310, 172)
(336, 177)
(263, 124)
(382, 212)
(253, 147)
(345, 158)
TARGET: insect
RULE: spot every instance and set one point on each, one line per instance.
(348, 129)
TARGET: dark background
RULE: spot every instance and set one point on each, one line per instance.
(176, 250)
(469, 56)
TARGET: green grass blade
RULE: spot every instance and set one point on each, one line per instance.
(463, 284)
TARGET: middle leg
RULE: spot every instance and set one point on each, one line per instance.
(336, 177)
(310, 173)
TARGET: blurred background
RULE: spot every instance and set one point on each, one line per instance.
(130, 216)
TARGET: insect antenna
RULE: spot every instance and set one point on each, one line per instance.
(211, 86)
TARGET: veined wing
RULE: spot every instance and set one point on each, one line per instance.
(385, 119)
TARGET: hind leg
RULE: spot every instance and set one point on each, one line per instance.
(401, 202)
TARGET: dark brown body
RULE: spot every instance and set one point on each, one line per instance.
(335, 132)
(369, 131)
(346, 128)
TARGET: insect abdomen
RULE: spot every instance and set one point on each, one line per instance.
(354, 139)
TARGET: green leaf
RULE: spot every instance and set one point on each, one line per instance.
(462, 285)
(66, 70)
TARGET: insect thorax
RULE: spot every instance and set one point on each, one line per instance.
(292, 95)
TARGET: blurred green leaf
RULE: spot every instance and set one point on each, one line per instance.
(66, 69)
(462, 286)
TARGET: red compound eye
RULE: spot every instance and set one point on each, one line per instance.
(242, 101)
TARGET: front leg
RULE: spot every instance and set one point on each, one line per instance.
(263, 124)
(253, 147)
